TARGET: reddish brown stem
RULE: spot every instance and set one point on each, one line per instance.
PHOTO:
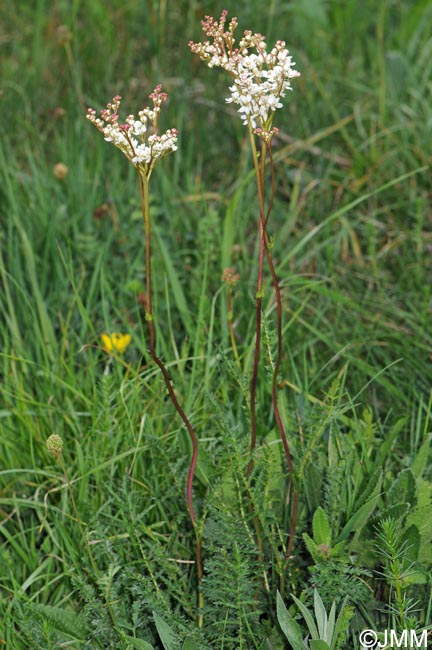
(144, 194)
(152, 345)
(277, 364)
(258, 313)
(277, 291)
(183, 416)
(276, 367)
(264, 239)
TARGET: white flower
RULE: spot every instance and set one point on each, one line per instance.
(143, 154)
(260, 78)
(133, 139)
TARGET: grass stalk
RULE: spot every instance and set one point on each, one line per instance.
(230, 317)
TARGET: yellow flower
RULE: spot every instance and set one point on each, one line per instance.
(115, 342)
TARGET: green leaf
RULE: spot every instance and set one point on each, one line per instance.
(139, 644)
(331, 624)
(338, 549)
(421, 517)
(389, 440)
(312, 483)
(307, 615)
(414, 577)
(134, 286)
(367, 488)
(420, 461)
(312, 547)
(179, 296)
(274, 459)
(318, 644)
(411, 541)
(170, 640)
(360, 517)
(321, 527)
(191, 644)
(61, 620)
(396, 512)
(230, 223)
(397, 66)
(403, 489)
(342, 624)
(288, 625)
(320, 615)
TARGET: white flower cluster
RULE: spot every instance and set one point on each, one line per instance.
(260, 81)
(137, 139)
(157, 146)
(260, 78)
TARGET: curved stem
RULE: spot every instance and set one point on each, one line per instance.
(145, 207)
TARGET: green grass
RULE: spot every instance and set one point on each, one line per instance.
(352, 226)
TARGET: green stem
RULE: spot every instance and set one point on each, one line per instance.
(231, 327)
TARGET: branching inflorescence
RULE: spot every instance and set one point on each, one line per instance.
(139, 140)
(260, 79)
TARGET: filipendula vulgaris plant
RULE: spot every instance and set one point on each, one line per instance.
(139, 140)
(260, 80)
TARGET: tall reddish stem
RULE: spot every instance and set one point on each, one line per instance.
(265, 242)
(277, 364)
(145, 205)
(259, 296)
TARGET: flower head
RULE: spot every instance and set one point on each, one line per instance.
(115, 342)
(260, 77)
(230, 276)
(137, 137)
(55, 445)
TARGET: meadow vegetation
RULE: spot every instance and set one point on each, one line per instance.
(97, 547)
